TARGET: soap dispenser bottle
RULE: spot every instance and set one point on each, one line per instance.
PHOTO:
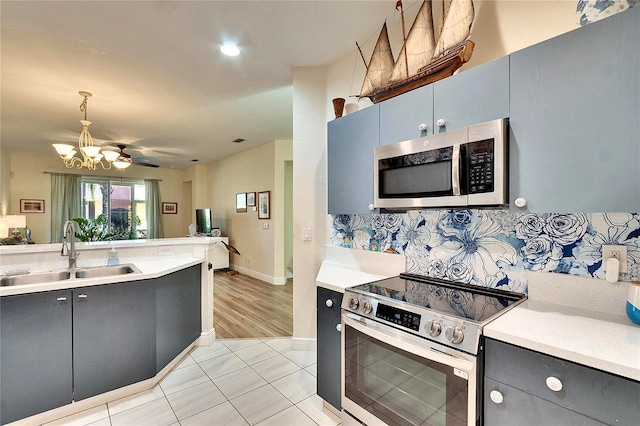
(113, 258)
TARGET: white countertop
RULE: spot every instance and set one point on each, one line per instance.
(607, 342)
(149, 268)
(345, 267)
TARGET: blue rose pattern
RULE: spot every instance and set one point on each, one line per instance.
(490, 248)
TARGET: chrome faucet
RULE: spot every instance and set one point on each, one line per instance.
(68, 228)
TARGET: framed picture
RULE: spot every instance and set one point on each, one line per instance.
(251, 199)
(264, 208)
(31, 206)
(241, 202)
(169, 208)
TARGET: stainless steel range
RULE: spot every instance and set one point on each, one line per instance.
(411, 347)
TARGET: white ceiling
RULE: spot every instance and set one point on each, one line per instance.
(158, 80)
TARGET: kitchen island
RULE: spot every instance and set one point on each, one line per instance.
(70, 344)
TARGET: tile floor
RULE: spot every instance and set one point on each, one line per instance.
(232, 382)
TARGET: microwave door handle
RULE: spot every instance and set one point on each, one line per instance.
(455, 170)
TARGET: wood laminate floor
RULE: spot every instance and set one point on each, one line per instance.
(244, 306)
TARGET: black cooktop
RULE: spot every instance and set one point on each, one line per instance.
(446, 297)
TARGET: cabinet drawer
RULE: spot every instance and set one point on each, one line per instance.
(520, 408)
(599, 395)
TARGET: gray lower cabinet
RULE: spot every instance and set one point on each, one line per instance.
(178, 313)
(537, 386)
(67, 345)
(575, 139)
(329, 341)
(351, 141)
(114, 336)
(523, 409)
(35, 354)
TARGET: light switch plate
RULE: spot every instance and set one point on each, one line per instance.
(306, 234)
(619, 252)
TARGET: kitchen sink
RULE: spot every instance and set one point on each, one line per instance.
(37, 278)
(105, 271)
(47, 277)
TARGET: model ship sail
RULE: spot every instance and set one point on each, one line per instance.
(421, 60)
(456, 27)
(418, 49)
(380, 66)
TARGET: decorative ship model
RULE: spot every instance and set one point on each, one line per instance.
(422, 59)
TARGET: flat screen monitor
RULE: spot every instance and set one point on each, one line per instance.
(203, 221)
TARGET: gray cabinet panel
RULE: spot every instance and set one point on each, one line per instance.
(35, 353)
(178, 313)
(520, 408)
(351, 141)
(596, 394)
(114, 336)
(401, 116)
(474, 96)
(575, 137)
(329, 341)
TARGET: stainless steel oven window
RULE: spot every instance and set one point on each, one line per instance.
(401, 388)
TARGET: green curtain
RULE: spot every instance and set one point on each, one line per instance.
(66, 202)
(153, 206)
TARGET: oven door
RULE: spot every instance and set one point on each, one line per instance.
(395, 378)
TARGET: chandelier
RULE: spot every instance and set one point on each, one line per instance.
(91, 155)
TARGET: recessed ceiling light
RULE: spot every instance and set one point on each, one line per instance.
(230, 49)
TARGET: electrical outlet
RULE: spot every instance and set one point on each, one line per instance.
(265, 225)
(619, 252)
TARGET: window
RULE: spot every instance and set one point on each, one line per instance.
(122, 203)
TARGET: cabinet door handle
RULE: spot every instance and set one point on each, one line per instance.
(329, 303)
(554, 384)
(61, 299)
(496, 396)
(82, 296)
(339, 327)
(455, 170)
(441, 122)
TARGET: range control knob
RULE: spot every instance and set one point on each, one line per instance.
(434, 328)
(454, 334)
(367, 307)
(354, 303)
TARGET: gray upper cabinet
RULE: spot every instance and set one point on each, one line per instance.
(401, 117)
(475, 96)
(575, 132)
(351, 141)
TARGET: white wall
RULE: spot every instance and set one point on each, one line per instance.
(255, 170)
(27, 180)
(500, 28)
(309, 192)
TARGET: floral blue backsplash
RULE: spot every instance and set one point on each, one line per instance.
(493, 248)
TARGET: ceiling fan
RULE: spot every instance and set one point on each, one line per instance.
(127, 157)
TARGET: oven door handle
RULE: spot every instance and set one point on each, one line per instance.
(421, 347)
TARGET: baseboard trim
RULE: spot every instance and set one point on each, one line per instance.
(262, 277)
(303, 344)
(206, 338)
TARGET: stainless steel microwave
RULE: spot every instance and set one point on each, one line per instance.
(463, 167)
